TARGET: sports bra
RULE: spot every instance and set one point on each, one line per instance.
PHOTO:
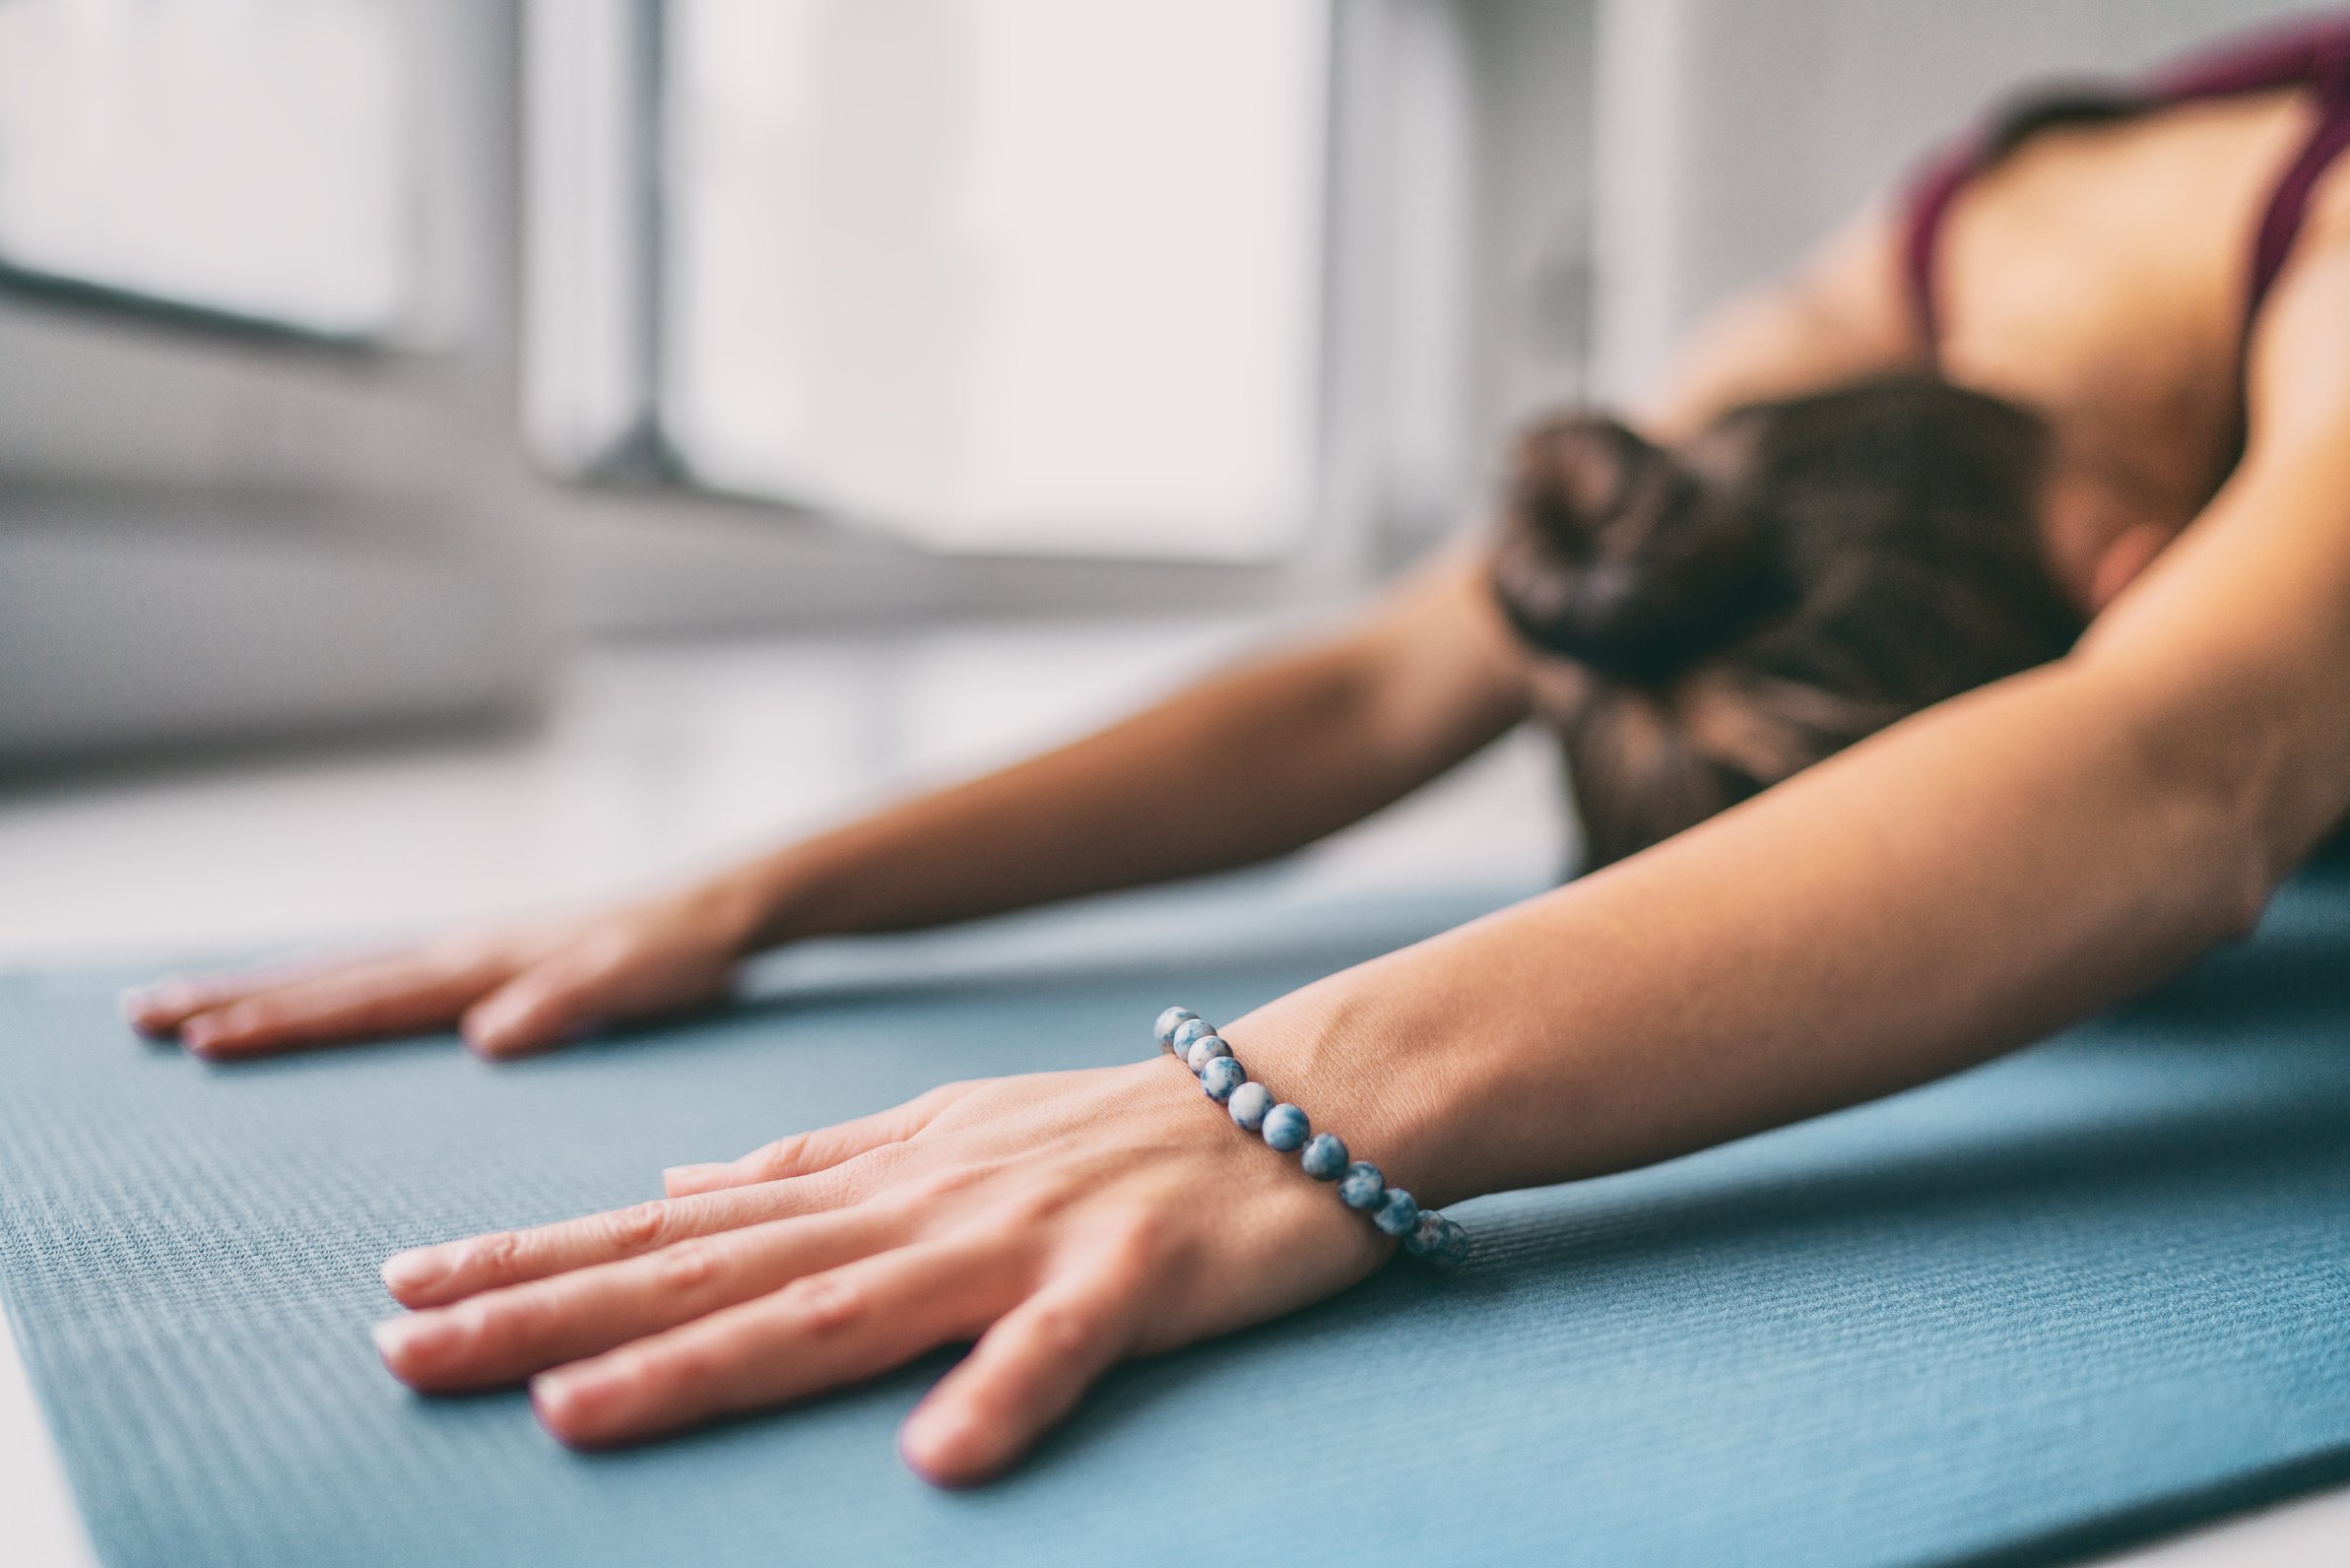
(2313, 54)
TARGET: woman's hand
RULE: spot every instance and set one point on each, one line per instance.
(1062, 1220)
(510, 991)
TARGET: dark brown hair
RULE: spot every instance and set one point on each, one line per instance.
(1800, 576)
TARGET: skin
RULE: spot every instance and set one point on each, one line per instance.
(1959, 885)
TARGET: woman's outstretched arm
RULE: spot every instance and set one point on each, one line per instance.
(1242, 766)
(1250, 764)
(1956, 886)
(1963, 883)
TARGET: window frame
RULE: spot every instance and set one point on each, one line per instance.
(636, 455)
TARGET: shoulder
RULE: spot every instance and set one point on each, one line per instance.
(2238, 635)
(1843, 314)
(2297, 363)
(2328, 220)
(1858, 283)
(2266, 565)
(2317, 261)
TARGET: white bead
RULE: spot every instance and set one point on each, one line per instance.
(1205, 1049)
(1248, 1105)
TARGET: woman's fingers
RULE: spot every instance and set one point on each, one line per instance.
(1027, 1371)
(159, 1010)
(804, 1153)
(500, 1336)
(400, 995)
(511, 992)
(606, 976)
(815, 1333)
(432, 1276)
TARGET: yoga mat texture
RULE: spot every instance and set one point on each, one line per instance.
(2054, 1304)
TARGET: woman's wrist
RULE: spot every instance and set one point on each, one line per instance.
(1336, 1051)
(827, 886)
(753, 906)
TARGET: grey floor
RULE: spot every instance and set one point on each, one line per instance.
(651, 761)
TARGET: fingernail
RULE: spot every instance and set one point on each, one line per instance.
(207, 1032)
(136, 1002)
(485, 1028)
(556, 1398)
(481, 1041)
(503, 1039)
(415, 1270)
(931, 1442)
(688, 1175)
(419, 1335)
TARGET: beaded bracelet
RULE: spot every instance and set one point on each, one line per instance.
(1425, 1233)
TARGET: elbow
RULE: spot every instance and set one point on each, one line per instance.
(2218, 790)
(2240, 899)
(2218, 863)
(2209, 851)
(2225, 840)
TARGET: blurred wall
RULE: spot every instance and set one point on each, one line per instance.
(204, 534)
(1416, 205)
(207, 530)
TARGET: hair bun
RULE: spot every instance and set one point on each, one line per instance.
(1612, 555)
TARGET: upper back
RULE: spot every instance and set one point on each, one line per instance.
(2104, 254)
(2100, 274)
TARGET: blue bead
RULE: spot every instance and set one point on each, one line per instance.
(1437, 1240)
(1221, 1078)
(1325, 1158)
(1248, 1105)
(1285, 1128)
(1164, 1030)
(1397, 1213)
(1362, 1185)
(1190, 1029)
(1206, 1048)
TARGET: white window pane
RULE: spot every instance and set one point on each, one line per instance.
(1002, 274)
(240, 155)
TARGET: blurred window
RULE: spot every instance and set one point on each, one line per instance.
(1037, 276)
(1001, 273)
(246, 157)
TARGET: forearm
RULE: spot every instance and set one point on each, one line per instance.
(1270, 757)
(1238, 768)
(1962, 883)
(1960, 886)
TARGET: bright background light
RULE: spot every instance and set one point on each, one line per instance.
(1004, 275)
(250, 159)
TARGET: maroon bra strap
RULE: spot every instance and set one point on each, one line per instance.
(2314, 53)
(2289, 205)
(1929, 203)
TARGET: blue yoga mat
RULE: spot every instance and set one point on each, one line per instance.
(2080, 1295)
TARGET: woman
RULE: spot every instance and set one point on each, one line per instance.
(2096, 375)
